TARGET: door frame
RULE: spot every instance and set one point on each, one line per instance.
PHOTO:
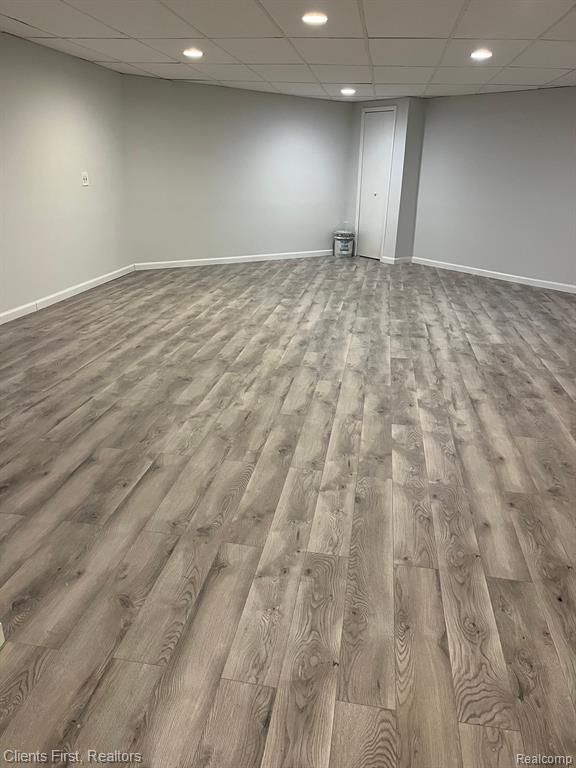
(391, 108)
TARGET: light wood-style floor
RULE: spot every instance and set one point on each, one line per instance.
(300, 514)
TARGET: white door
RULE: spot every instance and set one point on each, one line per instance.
(376, 169)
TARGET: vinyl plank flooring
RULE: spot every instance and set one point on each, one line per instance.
(300, 513)
(363, 737)
(366, 674)
(427, 735)
(300, 730)
(181, 702)
(236, 730)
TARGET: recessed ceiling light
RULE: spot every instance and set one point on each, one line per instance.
(481, 54)
(315, 18)
(348, 91)
(193, 53)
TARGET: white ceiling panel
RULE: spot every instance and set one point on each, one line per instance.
(567, 79)
(285, 73)
(458, 52)
(251, 85)
(402, 74)
(73, 49)
(395, 91)
(527, 76)
(301, 89)
(332, 51)
(55, 17)
(261, 50)
(411, 18)
(548, 53)
(20, 29)
(173, 71)
(330, 74)
(490, 88)
(174, 48)
(389, 48)
(420, 52)
(450, 89)
(510, 19)
(225, 18)
(123, 49)
(565, 29)
(472, 75)
(125, 69)
(136, 18)
(227, 71)
(343, 17)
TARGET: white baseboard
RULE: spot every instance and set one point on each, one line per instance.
(229, 260)
(46, 301)
(533, 281)
(13, 314)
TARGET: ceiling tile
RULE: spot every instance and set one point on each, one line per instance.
(73, 49)
(397, 91)
(490, 88)
(330, 74)
(261, 50)
(402, 74)
(510, 19)
(411, 18)
(174, 48)
(471, 74)
(565, 29)
(21, 29)
(413, 52)
(123, 49)
(225, 18)
(173, 71)
(567, 79)
(251, 85)
(227, 71)
(527, 76)
(285, 73)
(548, 53)
(362, 90)
(458, 52)
(301, 89)
(137, 18)
(343, 17)
(450, 89)
(125, 69)
(332, 51)
(55, 17)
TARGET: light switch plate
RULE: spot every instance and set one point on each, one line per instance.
(85, 179)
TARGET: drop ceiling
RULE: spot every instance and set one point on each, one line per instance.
(380, 47)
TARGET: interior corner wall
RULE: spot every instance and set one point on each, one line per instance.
(215, 172)
(498, 184)
(59, 116)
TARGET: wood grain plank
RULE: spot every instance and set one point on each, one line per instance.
(481, 685)
(545, 710)
(236, 730)
(428, 735)
(182, 700)
(363, 737)
(367, 654)
(301, 725)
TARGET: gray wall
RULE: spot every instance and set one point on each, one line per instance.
(58, 116)
(498, 183)
(216, 172)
